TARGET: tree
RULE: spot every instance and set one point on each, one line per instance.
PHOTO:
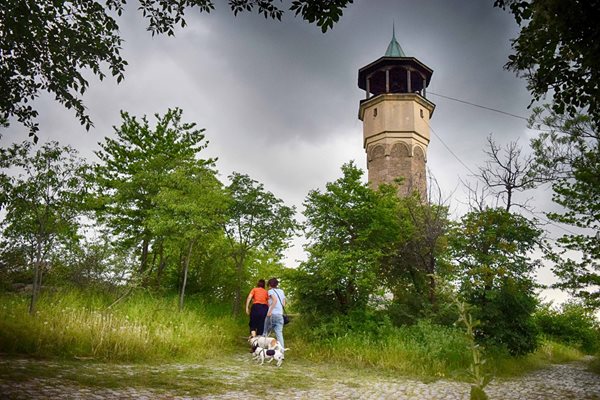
(190, 209)
(506, 173)
(350, 229)
(491, 251)
(41, 193)
(134, 167)
(257, 221)
(568, 156)
(51, 46)
(581, 199)
(419, 256)
(556, 52)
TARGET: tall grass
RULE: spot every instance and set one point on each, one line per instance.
(142, 328)
(549, 352)
(424, 349)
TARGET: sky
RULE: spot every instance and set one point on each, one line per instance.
(279, 100)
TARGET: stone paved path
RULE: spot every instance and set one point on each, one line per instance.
(237, 378)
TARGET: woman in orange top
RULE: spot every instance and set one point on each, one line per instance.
(260, 306)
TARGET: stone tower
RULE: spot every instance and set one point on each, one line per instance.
(395, 115)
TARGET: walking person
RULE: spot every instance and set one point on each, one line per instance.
(260, 306)
(274, 320)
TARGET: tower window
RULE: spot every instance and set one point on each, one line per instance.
(421, 112)
(375, 112)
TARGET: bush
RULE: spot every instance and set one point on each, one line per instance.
(506, 317)
(572, 324)
(407, 308)
(365, 323)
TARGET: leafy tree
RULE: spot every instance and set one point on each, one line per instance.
(135, 165)
(211, 275)
(568, 156)
(350, 229)
(41, 193)
(257, 221)
(190, 210)
(491, 250)
(581, 200)
(493, 244)
(50, 45)
(418, 258)
(556, 52)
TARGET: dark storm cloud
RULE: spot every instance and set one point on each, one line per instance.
(279, 100)
(278, 96)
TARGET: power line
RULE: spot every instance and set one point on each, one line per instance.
(448, 148)
(477, 105)
(469, 169)
(553, 128)
(477, 176)
(543, 219)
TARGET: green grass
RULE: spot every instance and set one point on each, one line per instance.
(423, 350)
(140, 329)
(549, 352)
(426, 351)
(73, 325)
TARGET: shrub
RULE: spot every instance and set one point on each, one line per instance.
(410, 309)
(366, 323)
(506, 317)
(572, 324)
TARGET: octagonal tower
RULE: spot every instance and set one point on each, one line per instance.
(395, 116)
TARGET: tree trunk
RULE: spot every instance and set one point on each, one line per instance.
(186, 267)
(432, 289)
(37, 282)
(144, 258)
(37, 278)
(237, 296)
(432, 282)
(161, 266)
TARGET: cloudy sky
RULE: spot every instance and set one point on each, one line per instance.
(279, 100)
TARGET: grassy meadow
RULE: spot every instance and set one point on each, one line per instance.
(147, 329)
(142, 328)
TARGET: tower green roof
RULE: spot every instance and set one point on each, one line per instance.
(394, 49)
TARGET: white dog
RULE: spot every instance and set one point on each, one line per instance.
(262, 341)
(259, 355)
(275, 354)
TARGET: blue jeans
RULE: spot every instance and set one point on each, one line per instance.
(275, 322)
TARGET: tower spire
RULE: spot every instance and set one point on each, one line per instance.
(394, 49)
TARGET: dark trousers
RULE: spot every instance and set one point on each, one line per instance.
(258, 313)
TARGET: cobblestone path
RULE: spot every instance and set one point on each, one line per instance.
(238, 378)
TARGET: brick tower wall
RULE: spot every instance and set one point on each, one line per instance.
(387, 162)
